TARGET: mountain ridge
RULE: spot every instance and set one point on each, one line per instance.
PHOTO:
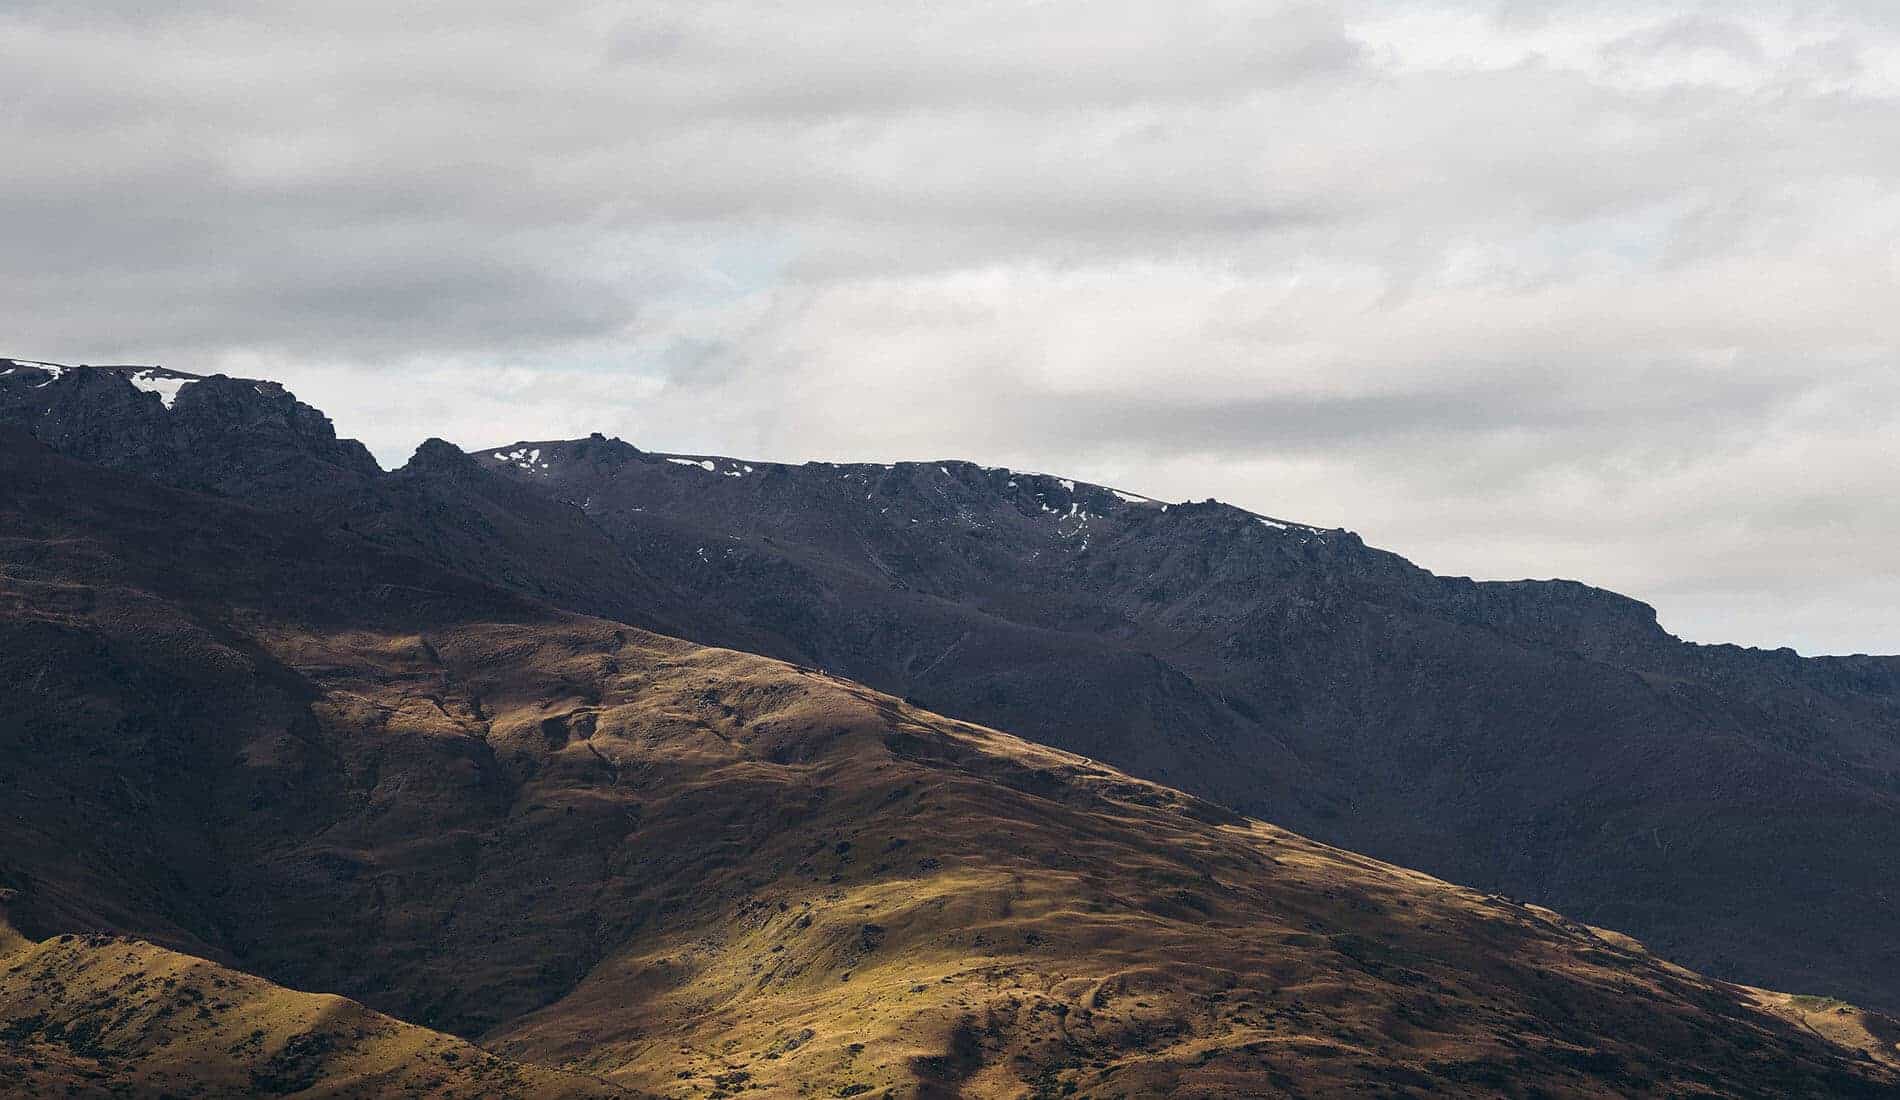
(733, 466)
(1642, 616)
(1542, 739)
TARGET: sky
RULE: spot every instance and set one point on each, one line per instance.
(1515, 288)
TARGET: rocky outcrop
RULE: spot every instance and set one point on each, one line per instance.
(235, 437)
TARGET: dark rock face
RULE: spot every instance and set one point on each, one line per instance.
(448, 508)
(252, 440)
(229, 436)
(1738, 809)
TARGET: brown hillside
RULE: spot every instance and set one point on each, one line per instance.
(697, 872)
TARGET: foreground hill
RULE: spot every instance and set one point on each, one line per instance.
(97, 1016)
(689, 871)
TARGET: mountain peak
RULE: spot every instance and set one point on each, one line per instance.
(437, 455)
(232, 436)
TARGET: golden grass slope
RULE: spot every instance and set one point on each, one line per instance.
(1875, 1036)
(87, 1016)
(801, 887)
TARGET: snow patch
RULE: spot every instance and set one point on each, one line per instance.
(705, 464)
(53, 369)
(165, 387)
(527, 458)
(1305, 531)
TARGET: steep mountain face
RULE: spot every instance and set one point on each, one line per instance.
(446, 507)
(271, 743)
(1544, 740)
(1739, 809)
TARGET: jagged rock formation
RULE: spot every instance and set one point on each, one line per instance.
(235, 437)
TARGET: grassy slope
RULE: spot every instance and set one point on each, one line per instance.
(827, 890)
(103, 1016)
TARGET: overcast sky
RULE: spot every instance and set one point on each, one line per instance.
(1515, 288)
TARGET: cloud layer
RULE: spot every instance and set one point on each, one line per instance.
(1601, 290)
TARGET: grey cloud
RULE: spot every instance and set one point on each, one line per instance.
(1689, 33)
(1513, 287)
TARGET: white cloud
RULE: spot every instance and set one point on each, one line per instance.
(1589, 289)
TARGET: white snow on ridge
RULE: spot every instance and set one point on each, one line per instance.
(734, 468)
(1284, 525)
(54, 369)
(165, 386)
(527, 458)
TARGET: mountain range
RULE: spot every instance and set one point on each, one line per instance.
(682, 775)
